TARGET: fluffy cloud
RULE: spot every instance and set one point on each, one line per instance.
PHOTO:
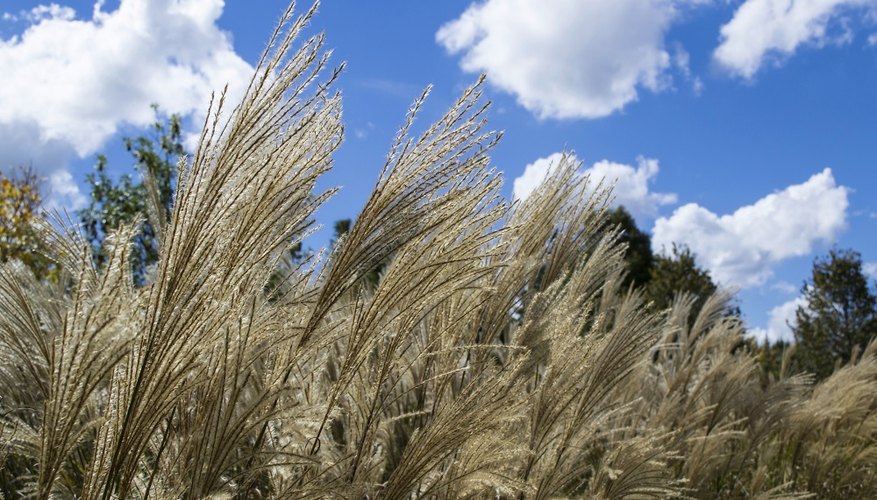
(21, 145)
(71, 82)
(533, 175)
(781, 317)
(567, 58)
(764, 28)
(631, 183)
(64, 192)
(740, 249)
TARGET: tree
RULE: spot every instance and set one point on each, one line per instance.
(676, 273)
(840, 314)
(19, 202)
(639, 257)
(115, 203)
(662, 276)
(342, 227)
(770, 357)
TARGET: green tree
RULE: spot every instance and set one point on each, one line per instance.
(665, 275)
(676, 273)
(639, 256)
(342, 227)
(840, 314)
(770, 357)
(113, 203)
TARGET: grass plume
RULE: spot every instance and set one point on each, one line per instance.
(496, 355)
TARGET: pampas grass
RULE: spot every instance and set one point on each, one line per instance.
(496, 355)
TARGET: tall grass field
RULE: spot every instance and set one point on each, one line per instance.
(453, 344)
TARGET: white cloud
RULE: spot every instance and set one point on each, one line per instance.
(21, 146)
(631, 183)
(567, 58)
(765, 29)
(784, 286)
(870, 269)
(70, 83)
(534, 174)
(781, 317)
(51, 11)
(682, 60)
(740, 249)
(63, 192)
(79, 80)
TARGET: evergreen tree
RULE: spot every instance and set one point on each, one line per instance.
(840, 314)
(770, 357)
(342, 227)
(676, 273)
(662, 276)
(639, 257)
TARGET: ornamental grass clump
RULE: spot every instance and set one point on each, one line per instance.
(496, 355)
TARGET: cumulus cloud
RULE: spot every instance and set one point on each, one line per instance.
(778, 326)
(740, 249)
(51, 11)
(534, 174)
(567, 58)
(64, 193)
(764, 29)
(70, 82)
(21, 146)
(631, 183)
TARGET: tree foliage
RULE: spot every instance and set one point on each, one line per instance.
(341, 228)
(840, 314)
(664, 276)
(773, 358)
(148, 195)
(675, 273)
(20, 201)
(639, 256)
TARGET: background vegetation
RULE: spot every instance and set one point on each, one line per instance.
(177, 342)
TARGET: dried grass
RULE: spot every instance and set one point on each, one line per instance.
(496, 355)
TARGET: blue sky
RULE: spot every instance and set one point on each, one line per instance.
(744, 129)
